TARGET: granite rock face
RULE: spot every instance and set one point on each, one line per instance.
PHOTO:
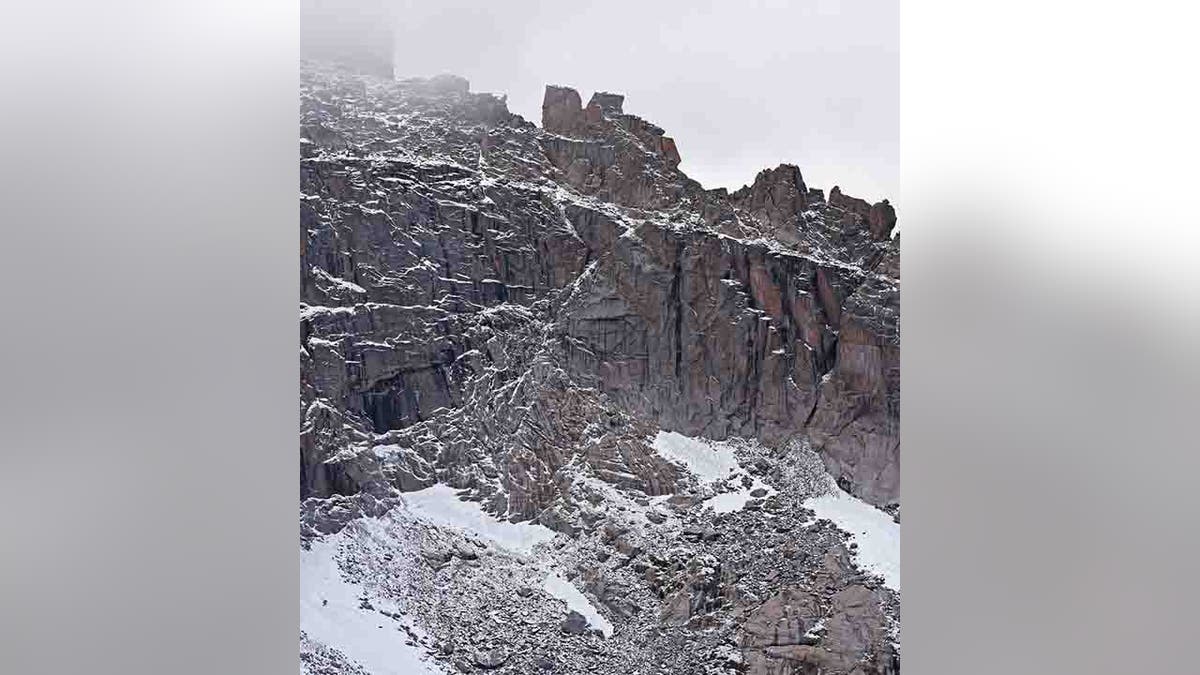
(516, 311)
(437, 225)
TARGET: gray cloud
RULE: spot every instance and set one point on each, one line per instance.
(741, 86)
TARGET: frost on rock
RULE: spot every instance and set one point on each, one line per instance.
(714, 463)
(334, 614)
(562, 589)
(738, 497)
(500, 321)
(709, 461)
(440, 505)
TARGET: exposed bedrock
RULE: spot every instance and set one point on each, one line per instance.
(454, 254)
(718, 337)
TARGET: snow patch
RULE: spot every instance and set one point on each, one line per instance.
(564, 590)
(337, 281)
(877, 536)
(439, 505)
(710, 461)
(330, 614)
(735, 500)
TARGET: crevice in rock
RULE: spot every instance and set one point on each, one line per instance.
(676, 302)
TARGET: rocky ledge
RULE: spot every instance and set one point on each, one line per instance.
(520, 315)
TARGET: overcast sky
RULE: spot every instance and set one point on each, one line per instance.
(741, 86)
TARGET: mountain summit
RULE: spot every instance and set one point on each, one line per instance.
(565, 410)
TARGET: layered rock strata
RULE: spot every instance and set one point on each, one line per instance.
(511, 309)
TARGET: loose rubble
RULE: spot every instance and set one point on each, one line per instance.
(565, 411)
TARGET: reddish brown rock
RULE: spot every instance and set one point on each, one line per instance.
(670, 151)
(593, 114)
(607, 102)
(776, 320)
(775, 201)
(793, 632)
(783, 619)
(881, 219)
(514, 311)
(562, 110)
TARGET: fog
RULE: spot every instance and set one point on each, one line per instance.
(148, 458)
(740, 86)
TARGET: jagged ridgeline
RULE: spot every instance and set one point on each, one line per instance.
(452, 249)
(548, 321)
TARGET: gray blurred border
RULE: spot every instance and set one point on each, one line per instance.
(149, 478)
(1049, 461)
(149, 362)
(1051, 317)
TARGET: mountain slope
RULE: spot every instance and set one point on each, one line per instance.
(522, 313)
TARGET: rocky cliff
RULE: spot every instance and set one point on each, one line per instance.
(519, 312)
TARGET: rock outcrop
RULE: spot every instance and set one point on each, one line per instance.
(515, 311)
(777, 318)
